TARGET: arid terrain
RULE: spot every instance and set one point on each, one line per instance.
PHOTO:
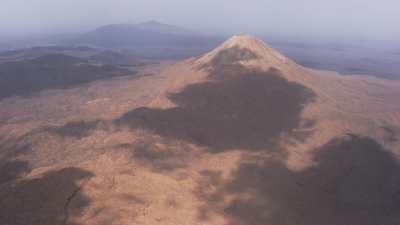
(241, 135)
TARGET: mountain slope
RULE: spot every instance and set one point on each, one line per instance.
(242, 49)
(241, 135)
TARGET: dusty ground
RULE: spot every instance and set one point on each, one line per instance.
(204, 141)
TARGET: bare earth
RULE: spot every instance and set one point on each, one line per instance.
(239, 136)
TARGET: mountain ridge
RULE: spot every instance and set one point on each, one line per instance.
(147, 34)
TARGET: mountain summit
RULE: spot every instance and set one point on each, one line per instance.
(244, 49)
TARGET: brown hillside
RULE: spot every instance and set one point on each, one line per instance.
(241, 135)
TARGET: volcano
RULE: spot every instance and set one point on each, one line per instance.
(240, 135)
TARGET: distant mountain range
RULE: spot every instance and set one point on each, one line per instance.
(155, 41)
(148, 34)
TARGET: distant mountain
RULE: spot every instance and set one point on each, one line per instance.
(148, 34)
(164, 28)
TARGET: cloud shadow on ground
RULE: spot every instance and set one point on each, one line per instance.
(237, 108)
(47, 199)
(355, 181)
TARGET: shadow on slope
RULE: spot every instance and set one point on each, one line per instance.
(355, 181)
(75, 129)
(51, 72)
(44, 200)
(12, 169)
(236, 108)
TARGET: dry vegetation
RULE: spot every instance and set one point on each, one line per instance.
(232, 143)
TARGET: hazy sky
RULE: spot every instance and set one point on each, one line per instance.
(377, 19)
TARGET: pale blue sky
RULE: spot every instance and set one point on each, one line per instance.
(376, 19)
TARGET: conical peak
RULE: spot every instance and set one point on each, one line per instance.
(243, 49)
(244, 41)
